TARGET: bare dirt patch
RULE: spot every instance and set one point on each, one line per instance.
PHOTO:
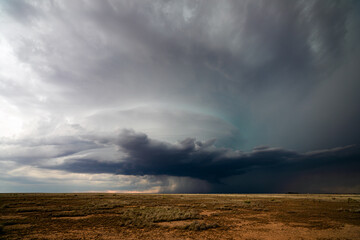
(11, 217)
(208, 213)
(17, 227)
(74, 218)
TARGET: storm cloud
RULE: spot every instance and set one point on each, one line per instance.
(201, 160)
(277, 73)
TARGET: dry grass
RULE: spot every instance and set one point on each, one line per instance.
(199, 226)
(134, 216)
(147, 216)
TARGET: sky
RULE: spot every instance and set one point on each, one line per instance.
(187, 96)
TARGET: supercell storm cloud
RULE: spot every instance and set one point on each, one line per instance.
(180, 96)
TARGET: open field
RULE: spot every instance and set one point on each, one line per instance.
(179, 216)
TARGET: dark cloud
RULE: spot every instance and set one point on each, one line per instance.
(201, 160)
(269, 68)
(247, 73)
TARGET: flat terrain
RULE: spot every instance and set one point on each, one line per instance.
(180, 216)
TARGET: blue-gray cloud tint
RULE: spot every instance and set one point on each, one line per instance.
(286, 170)
(247, 73)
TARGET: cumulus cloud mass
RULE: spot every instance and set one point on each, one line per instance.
(179, 96)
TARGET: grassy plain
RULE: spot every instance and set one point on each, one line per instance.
(179, 216)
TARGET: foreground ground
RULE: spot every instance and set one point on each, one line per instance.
(145, 216)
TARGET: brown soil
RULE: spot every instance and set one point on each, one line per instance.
(151, 216)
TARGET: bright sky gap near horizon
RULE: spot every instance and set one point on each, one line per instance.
(182, 96)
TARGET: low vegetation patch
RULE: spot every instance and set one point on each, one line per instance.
(199, 226)
(146, 216)
(69, 214)
(351, 200)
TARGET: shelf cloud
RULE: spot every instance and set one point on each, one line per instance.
(201, 160)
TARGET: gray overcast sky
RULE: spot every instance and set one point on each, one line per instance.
(180, 96)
